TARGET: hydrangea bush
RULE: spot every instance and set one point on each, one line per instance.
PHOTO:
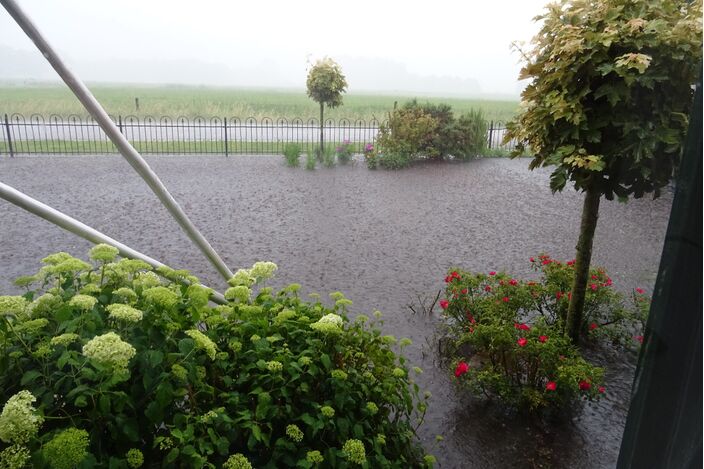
(507, 336)
(113, 364)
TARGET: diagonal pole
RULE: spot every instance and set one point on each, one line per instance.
(126, 149)
(74, 226)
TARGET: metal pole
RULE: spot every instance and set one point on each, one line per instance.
(225, 129)
(74, 226)
(126, 149)
(9, 137)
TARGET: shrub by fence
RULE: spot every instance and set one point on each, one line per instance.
(216, 135)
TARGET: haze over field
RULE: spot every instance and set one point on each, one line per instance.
(449, 47)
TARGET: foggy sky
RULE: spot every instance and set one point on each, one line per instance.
(444, 46)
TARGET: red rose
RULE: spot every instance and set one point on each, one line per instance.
(487, 288)
(448, 279)
(444, 304)
(593, 326)
(501, 282)
(609, 282)
(464, 291)
(546, 261)
(524, 327)
(513, 282)
(505, 299)
(558, 295)
(569, 295)
(571, 262)
(522, 342)
(639, 338)
(461, 369)
(593, 286)
(594, 277)
(602, 389)
(585, 385)
(532, 260)
(492, 273)
(550, 386)
(640, 290)
(543, 338)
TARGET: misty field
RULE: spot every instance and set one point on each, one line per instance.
(187, 101)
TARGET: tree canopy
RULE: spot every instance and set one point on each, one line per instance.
(610, 92)
(326, 83)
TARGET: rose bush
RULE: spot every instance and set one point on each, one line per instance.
(507, 336)
(113, 364)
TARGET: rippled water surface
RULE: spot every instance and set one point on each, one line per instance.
(383, 238)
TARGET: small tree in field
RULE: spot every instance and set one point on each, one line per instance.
(608, 104)
(325, 84)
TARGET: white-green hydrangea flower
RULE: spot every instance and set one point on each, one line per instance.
(362, 318)
(343, 303)
(69, 266)
(146, 280)
(64, 339)
(381, 439)
(263, 270)
(372, 408)
(377, 314)
(237, 461)
(198, 294)
(12, 305)
(135, 458)
(242, 278)
(327, 411)
(295, 433)
(90, 289)
(19, 421)
(25, 280)
(305, 361)
(126, 295)
(56, 258)
(103, 253)
(83, 302)
(132, 266)
(235, 345)
(161, 296)
(417, 370)
(32, 326)
(45, 304)
(67, 449)
(398, 372)
(203, 342)
(14, 457)
(354, 452)
(285, 315)
(328, 324)
(179, 372)
(338, 374)
(314, 457)
(255, 338)
(240, 293)
(292, 288)
(274, 366)
(126, 313)
(110, 351)
(405, 342)
(388, 339)
(253, 310)
(430, 460)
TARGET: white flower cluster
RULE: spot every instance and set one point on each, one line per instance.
(109, 350)
(19, 422)
(328, 324)
(259, 272)
(125, 313)
(203, 342)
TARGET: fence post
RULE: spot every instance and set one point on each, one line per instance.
(119, 124)
(9, 137)
(491, 133)
(224, 120)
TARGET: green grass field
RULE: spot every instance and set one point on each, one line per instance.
(207, 102)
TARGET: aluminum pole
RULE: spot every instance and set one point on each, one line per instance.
(74, 226)
(126, 149)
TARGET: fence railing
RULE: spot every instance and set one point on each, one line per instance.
(216, 135)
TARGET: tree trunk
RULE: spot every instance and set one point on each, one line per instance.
(320, 155)
(590, 215)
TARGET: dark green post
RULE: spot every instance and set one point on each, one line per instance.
(664, 426)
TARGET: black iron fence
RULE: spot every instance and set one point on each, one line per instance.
(181, 136)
